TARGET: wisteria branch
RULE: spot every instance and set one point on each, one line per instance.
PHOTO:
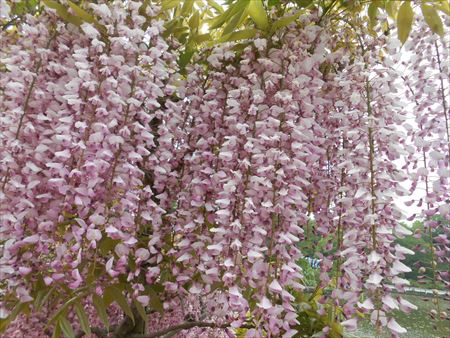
(104, 333)
(185, 326)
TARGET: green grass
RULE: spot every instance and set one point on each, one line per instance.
(418, 323)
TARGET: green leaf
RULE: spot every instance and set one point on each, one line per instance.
(404, 21)
(304, 3)
(56, 332)
(155, 302)
(66, 327)
(216, 6)
(42, 297)
(198, 39)
(258, 14)
(391, 8)
(194, 21)
(169, 26)
(219, 20)
(157, 287)
(106, 244)
(216, 285)
(140, 309)
(24, 7)
(239, 35)
(179, 31)
(63, 13)
(443, 6)
(184, 58)
(82, 316)
(272, 3)
(113, 294)
(187, 7)
(85, 16)
(285, 21)
(168, 4)
(432, 19)
(372, 12)
(232, 10)
(101, 309)
(63, 309)
(143, 8)
(236, 20)
(38, 298)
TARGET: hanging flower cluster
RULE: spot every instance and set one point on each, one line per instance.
(191, 195)
(76, 144)
(427, 82)
(266, 140)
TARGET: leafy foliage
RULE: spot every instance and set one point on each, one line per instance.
(421, 262)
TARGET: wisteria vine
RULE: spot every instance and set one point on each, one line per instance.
(184, 198)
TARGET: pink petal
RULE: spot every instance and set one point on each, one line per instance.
(265, 303)
(350, 324)
(144, 300)
(390, 302)
(395, 327)
(367, 304)
(275, 286)
(375, 278)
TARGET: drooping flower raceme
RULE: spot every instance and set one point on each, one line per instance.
(268, 139)
(76, 148)
(427, 83)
